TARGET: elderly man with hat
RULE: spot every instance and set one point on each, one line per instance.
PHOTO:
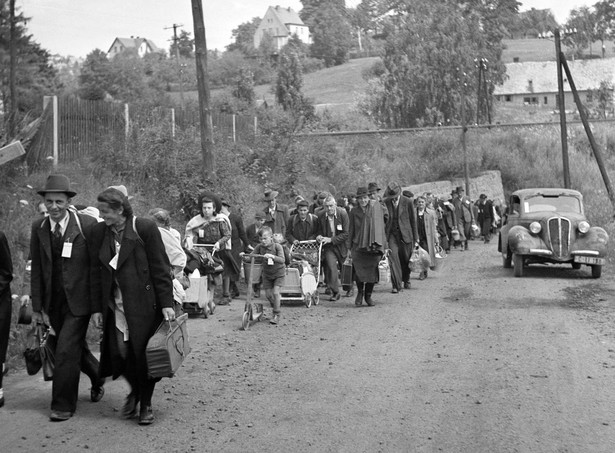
(402, 235)
(60, 290)
(485, 216)
(276, 214)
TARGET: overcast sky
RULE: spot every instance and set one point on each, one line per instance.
(76, 27)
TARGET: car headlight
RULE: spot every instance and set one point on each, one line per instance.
(535, 227)
(583, 226)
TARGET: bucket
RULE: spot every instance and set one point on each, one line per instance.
(440, 256)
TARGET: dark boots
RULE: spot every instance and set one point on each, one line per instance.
(359, 299)
(369, 287)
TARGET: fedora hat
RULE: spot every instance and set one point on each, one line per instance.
(362, 192)
(270, 195)
(393, 190)
(57, 184)
(373, 187)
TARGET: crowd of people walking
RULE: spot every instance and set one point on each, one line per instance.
(127, 273)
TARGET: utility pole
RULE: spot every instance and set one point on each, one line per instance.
(207, 136)
(562, 110)
(464, 129)
(179, 67)
(13, 64)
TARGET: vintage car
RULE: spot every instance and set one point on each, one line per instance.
(549, 226)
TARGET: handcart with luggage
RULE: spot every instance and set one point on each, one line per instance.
(301, 280)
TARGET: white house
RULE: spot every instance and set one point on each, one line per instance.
(280, 24)
(142, 46)
(535, 83)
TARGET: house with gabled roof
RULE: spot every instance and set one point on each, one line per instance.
(535, 82)
(142, 46)
(280, 24)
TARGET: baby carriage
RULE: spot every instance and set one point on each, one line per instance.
(200, 294)
(301, 280)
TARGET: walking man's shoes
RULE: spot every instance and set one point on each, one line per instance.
(335, 296)
(97, 392)
(394, 291)
(60, 416)
(406, 285)
(130, 406)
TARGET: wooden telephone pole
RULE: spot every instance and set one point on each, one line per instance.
(207, 136)
(179, 68)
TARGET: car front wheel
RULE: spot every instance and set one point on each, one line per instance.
(596, 271)
(518, 261)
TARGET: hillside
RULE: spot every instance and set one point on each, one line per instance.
(338, 85)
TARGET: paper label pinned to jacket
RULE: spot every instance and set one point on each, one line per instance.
(113, 262)
(339, 227)
(67, 250)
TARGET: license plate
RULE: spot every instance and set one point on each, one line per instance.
(589, 260)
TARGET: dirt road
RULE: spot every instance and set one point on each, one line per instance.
(469, 360)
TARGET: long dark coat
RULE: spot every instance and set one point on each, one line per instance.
(6, 275)
(143, 277)
(406, 218)
(75, 270)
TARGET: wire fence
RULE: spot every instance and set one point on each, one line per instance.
(72, 128)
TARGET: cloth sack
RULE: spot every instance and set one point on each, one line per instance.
(384, 270)
(419, 260)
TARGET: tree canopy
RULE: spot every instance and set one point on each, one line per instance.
(430, 59)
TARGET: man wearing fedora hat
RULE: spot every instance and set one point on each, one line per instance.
(485, 216)
(464, 215)
(276, 214)
(402, 235)
(60, 290)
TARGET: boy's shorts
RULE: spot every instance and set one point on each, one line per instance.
(270, 283)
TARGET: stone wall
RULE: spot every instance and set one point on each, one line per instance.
(489, 183)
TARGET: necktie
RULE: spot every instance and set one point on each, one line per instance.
(57, 234)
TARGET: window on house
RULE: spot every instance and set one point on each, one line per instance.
(589, 97)
(535, 101)
(546, 99)
(508, 98)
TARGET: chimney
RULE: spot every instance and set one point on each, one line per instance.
(530, 85)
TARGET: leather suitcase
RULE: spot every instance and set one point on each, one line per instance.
(167, 348)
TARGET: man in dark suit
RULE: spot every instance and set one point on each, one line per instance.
(276, 214)
(332, 233)
(60, 292)
(401, 232)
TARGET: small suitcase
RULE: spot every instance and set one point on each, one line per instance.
(167, 348)
(347, 275)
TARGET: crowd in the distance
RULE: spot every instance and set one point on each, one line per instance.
(128, 273)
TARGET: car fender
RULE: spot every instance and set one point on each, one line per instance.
(520, 240)
(595, 239)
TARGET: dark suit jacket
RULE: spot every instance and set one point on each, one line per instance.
(300, 232)
(406, 218)
(341, 225)
(142, 273)
(75, 270)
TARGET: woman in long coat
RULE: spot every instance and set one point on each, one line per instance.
(132, 288)
(428, 237)
(6, 275)
(366, 244)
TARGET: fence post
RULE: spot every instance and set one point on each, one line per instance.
(126, 126)
(172, 123)
(234, 137)
(54, 106)
(255, 125)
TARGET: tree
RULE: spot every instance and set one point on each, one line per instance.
(331, 32)
(538, 20)
(581, 22)
(243, 37)
(34, 75)
(289, 83)
(429, 60)
(244, 86)
(604, 15)
(95, 72)
(185, 45)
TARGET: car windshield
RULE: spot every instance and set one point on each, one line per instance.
(559, 203)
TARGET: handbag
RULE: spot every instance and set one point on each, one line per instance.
(167, 348)
(419, 260)
(39, 353)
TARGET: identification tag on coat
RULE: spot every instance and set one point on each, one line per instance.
(67, 250)
(201, 233)
(339, 227)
